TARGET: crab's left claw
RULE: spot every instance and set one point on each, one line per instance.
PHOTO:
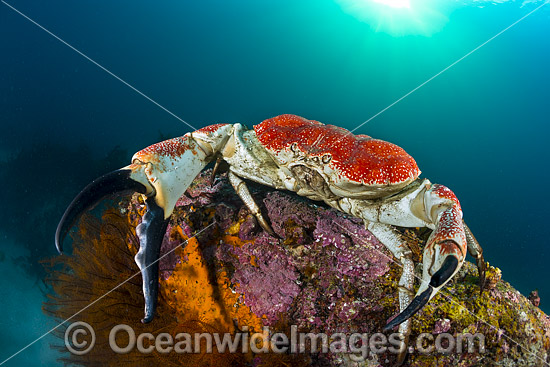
(444, 253)
(447, 267)
(162, 172)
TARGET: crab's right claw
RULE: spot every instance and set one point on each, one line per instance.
(150, 232)
(162, 172)
(129, 179)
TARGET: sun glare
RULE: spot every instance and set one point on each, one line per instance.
(399, 17)
(394, 3)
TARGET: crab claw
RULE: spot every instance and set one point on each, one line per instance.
(447, 266)
(162, 172)
(150, 232)
(121, 181)
(444, 253)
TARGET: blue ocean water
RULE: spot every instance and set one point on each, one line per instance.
(480, 128)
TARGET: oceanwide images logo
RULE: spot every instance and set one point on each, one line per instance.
(80, 339)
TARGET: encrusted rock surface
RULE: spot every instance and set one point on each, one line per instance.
(323, 272)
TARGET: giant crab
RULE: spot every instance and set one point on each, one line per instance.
(368, 178)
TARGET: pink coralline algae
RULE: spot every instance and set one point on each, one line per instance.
(338, 255)
(265, 276)
(317, 272)
(201, 191)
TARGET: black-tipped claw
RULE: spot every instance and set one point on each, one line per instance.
(417, 303)
(116, 182)
(150, 232)
(445, 272)
(437, 280)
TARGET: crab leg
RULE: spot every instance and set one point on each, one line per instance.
(162, 172)
(476, 251)
(391, 238)
(215, 170)
(242, 190)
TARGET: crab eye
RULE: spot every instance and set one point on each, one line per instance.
(294, 147)
(326, 158)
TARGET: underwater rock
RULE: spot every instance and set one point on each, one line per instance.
(323, 272)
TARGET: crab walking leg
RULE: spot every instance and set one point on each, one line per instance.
(474, 249)
(242, 190)
(215, 170)
(395, 243)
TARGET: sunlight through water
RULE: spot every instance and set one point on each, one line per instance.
(395, 3)
(400, 17)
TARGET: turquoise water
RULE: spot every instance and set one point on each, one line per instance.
(481, 128)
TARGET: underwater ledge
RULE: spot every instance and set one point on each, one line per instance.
(323, 272)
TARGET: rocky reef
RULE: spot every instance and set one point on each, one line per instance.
(322, 272)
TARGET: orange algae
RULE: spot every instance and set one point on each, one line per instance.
(193, 292)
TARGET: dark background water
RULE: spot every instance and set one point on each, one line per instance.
(481, 128)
